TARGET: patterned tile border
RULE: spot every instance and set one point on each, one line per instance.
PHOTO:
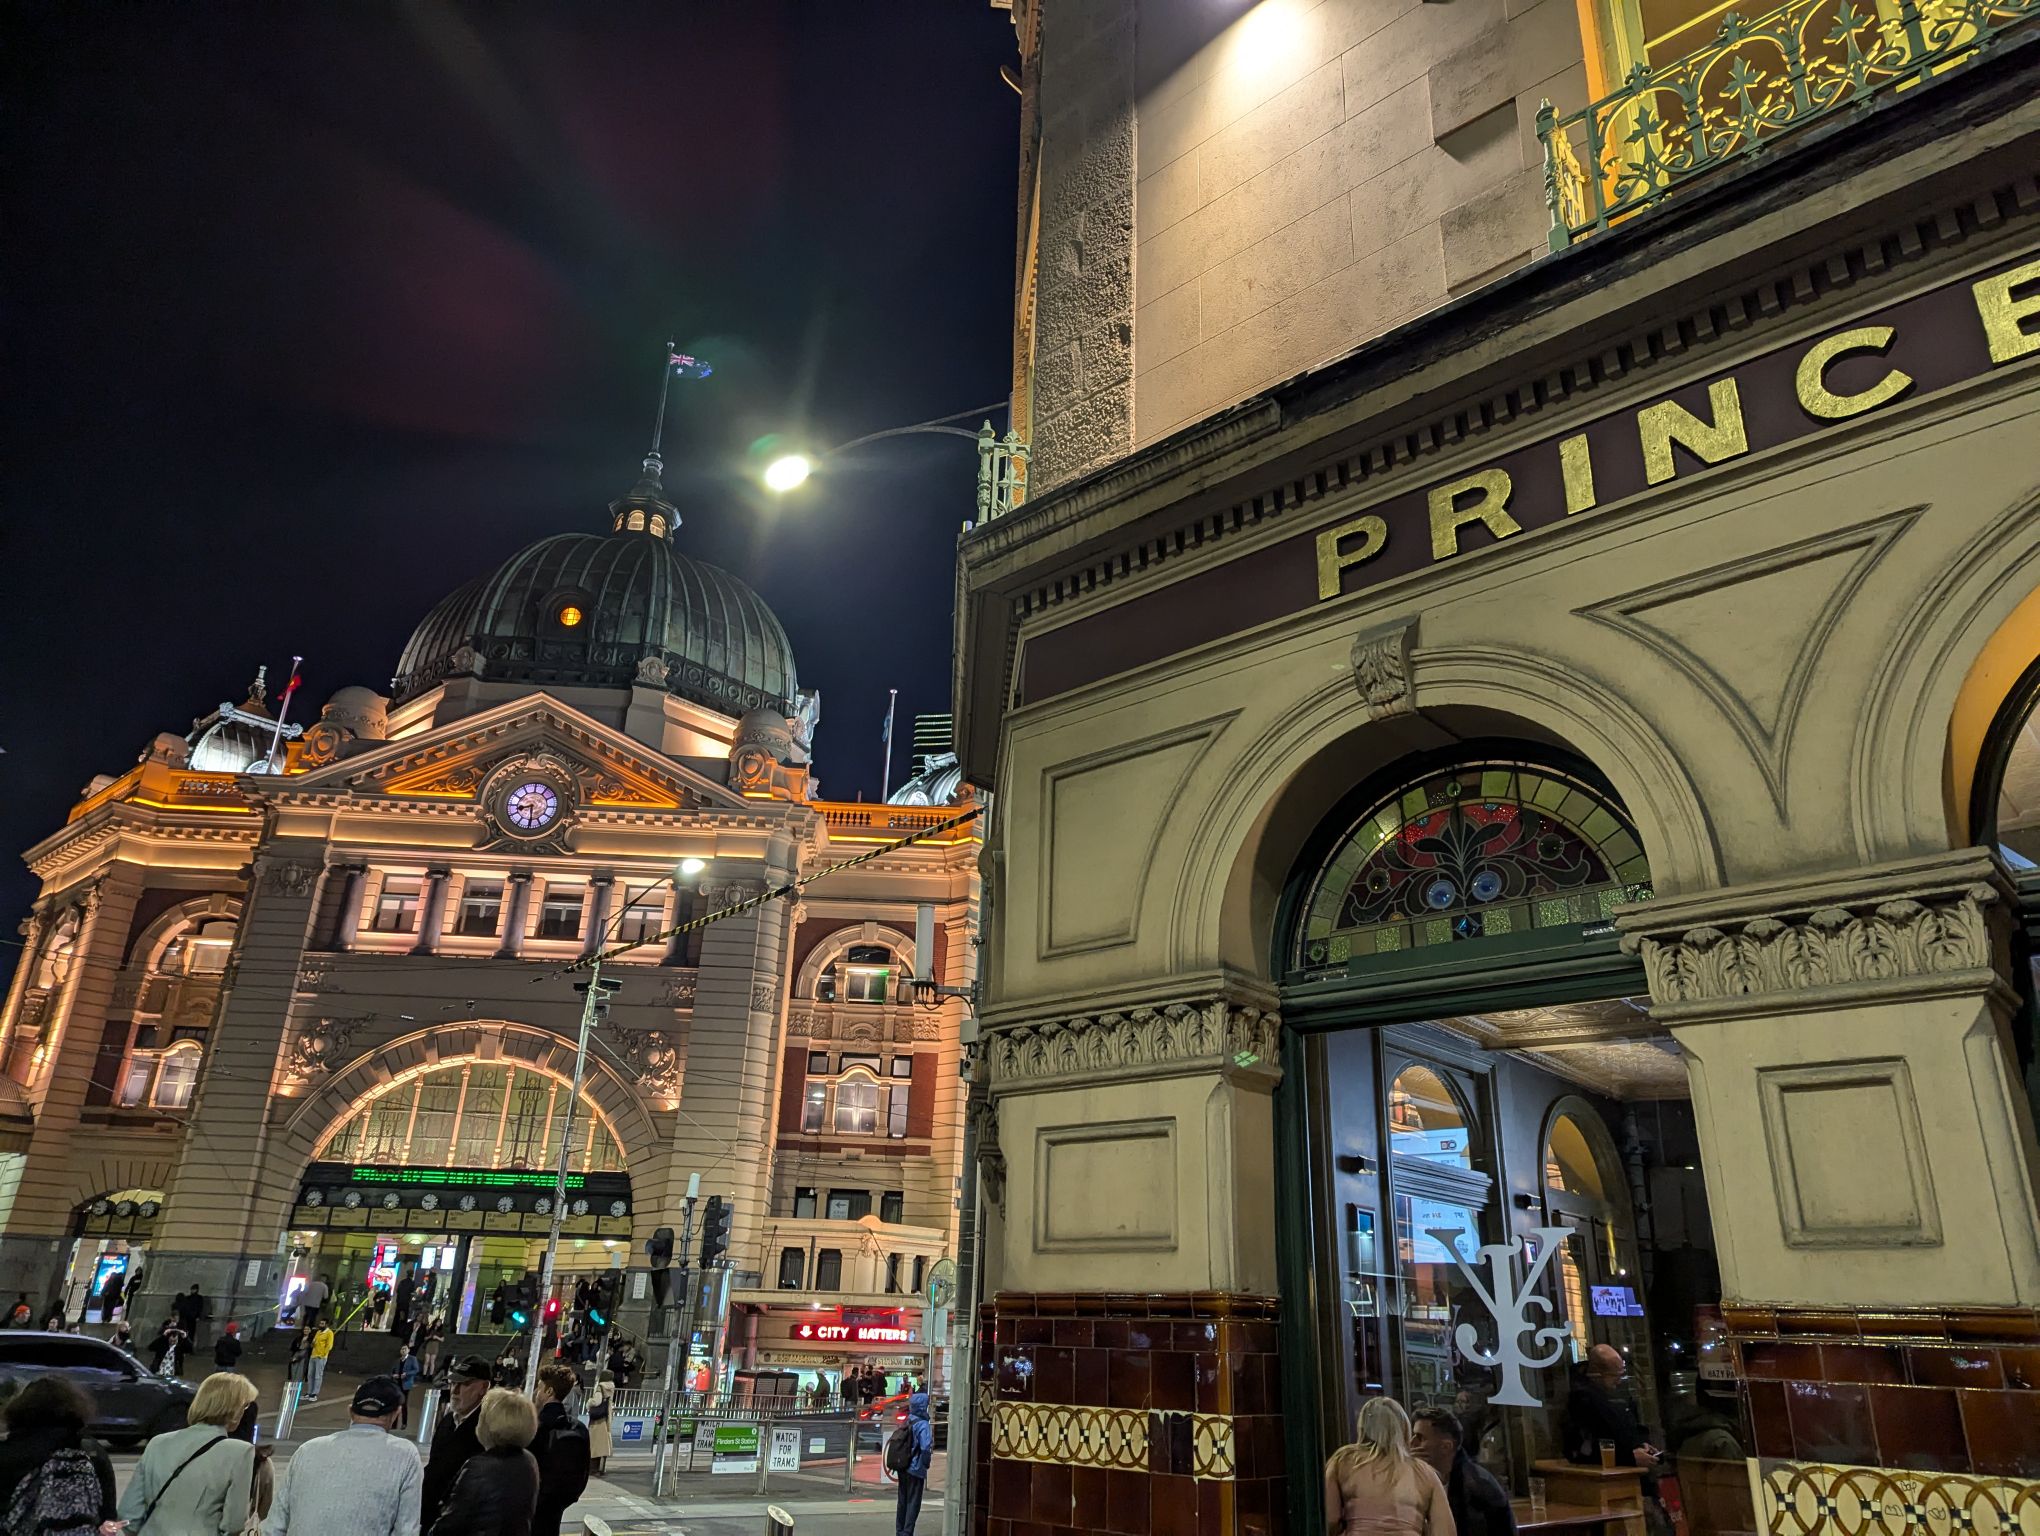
(1118, 1439)
(1797, 1498)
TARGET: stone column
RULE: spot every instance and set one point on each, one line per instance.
(1134, 1334)
(347, 920)
(431, 913)
(223, 1214)
(516, 904)
(1867, 1143)
(600, 889)
(35, 1209)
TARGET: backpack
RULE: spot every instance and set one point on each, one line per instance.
(899, 1451)
(62, 1494)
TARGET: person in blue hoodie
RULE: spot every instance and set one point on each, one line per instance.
(914, 1481)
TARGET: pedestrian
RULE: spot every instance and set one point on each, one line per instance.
(196, 1481)
(124, 1335)
(429, 1337)
(359, 1481)
(561, 1447)
(226, 1350)
(62, 1475)
(407, 1292)
(1375, 1485)
(21, 1313)
(322, 1351)
(454, 1440)
(300, 1353)
(1479, 1504)
(311, 1298)
(166, 1350)
(379, 1301)
(497, 1490)
(913, 1477)
(191, 1310)
(601, 1438)
(408, 1371)
(54, 1318)
(110, 1294)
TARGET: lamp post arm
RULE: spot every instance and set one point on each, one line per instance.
(926, 426)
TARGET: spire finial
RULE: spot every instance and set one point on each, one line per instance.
(644, 507)
(258, 690)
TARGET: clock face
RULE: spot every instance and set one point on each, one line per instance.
(467, 1202)
(532, 807)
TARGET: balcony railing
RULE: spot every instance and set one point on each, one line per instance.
(1758, 78)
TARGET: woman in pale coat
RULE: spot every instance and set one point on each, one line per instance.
(601, 1439)
(209, 1496)
(1377, 1486)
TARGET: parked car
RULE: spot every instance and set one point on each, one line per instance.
(889, 1412)
(133, 1402)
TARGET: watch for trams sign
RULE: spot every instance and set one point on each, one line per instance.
(1931, 341)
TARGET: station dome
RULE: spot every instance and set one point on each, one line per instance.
(595, 610)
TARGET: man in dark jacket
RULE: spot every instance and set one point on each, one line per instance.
(1480, 1505)
(1595, 1411)
(914, 1481)
(561, 1447)
(190, 1309)
(454, 1441)
(226, 1350)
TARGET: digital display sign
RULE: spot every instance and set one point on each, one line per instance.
(470, 1177)
(1616, 1301)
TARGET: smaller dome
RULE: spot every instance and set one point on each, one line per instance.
(236, 737)
(940, 783)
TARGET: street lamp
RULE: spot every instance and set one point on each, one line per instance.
(1002, 461)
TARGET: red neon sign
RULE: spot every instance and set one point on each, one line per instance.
(841, 1333)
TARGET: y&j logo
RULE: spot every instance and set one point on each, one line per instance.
(1511, 1302)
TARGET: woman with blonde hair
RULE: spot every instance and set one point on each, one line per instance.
(195, 1481)
(497, 1489)
(1377, 1487)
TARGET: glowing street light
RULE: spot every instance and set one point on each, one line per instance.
(787, 472)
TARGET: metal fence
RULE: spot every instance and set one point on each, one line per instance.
(725, 1435)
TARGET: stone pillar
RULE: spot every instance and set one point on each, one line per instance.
(1129, 1356)
(1869, 1152)
(223, 1214)
(600, 889)
(516, 907)
(36, 1210)
(431, 913)
(347, 919)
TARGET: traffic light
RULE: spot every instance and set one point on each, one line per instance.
(715, 1229)
(552, 1308)
(602, 1299)
(523, 1301)
(659, 1253)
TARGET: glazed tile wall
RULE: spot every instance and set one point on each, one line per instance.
(1801, 1499)
(1928, 1391)
(1154, 1415)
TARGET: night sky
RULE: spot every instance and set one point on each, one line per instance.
(314, 312)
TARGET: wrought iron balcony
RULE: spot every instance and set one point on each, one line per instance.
(1758, 78)
(1002, 473)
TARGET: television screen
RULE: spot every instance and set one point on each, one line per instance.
(1616, 1301)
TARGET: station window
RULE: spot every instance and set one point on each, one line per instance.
(642, 919)
(857, 1105)
(892, 1274)
(849, 1204)
(481, 908)
(559, 914)
(896, 1113)
(804, 1204)
(863, 975)
(829, 1270)
(814, 1106)
(818, 1064)
(179, 1075)
(396, 907)
(903, 1066)
(134, 1089)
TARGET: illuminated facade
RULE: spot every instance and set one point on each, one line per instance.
(317, 1019)
(1509, 700)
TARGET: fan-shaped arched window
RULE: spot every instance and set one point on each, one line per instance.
(1476, 850)
(864, 974)
(473, 1115)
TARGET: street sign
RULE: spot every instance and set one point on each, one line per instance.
(785, 1450)
(736, 1448)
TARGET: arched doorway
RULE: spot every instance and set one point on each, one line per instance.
(434, 1191)
(111, 1234)
(2004, 815)
(1467, 1029)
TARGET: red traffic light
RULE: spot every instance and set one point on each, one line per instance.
(552, 1308)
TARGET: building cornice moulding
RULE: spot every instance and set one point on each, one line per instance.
(1176, 1039)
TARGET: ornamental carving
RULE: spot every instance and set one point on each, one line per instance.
(1381, 671)
(1828, 947)
(678, 992)
(652, 671)
(466, 661)
(1212, 1033)
(290, 879)
(764, 997)
(318, 1048)
(312, 974)
(654, 1056)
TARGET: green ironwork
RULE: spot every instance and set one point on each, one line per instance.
(1002, 473)
(1758, 78)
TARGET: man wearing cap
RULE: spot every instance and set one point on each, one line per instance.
(362, 1481)
(454, 1440)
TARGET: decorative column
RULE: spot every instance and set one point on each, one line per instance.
(1870, 1160)
(431, 913)
(516, 908)
(347, 919)
(1128, 1362)
(601, 889)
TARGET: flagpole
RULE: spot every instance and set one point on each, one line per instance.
(891, 703)
(283, 709)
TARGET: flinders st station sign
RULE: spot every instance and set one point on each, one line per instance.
(1928, 342)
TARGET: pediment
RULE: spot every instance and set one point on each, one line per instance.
(454, 763)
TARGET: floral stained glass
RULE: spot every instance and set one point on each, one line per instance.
(1476, 851)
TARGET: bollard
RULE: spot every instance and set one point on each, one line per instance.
(426, 1415)
(850, 1460)
(764, 1453)
(286, 1411)
(777, 1521)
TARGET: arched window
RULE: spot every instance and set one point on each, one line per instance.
(200, 949)
(1475, 850)
(857, 1104)
(1425, 1120)
(179, 1075)
(2005, 811)
(473, 1115)
(864, 974)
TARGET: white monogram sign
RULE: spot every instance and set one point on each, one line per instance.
(1511, 1301)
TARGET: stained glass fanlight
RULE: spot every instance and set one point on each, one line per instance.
(1475, 851)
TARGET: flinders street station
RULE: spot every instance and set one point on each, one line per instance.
(299, 1001)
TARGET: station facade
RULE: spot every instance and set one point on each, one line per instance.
(1509, 702)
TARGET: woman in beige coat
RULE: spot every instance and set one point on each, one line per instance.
(601, 1439)
(1376, 1487)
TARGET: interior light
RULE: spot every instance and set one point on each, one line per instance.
(569, 616)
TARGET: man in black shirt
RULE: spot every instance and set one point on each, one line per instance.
(1480, 1505)
(454, 1440)
(1595, 1411)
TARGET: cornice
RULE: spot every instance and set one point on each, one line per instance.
(1182, 1038)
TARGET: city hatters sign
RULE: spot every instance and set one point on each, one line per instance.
(1928, 342)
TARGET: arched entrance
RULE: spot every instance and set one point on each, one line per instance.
(1467, 1030)
(433, 1192)
(111, 1233)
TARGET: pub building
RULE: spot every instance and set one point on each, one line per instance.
(1506, 662)
(298, 999)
